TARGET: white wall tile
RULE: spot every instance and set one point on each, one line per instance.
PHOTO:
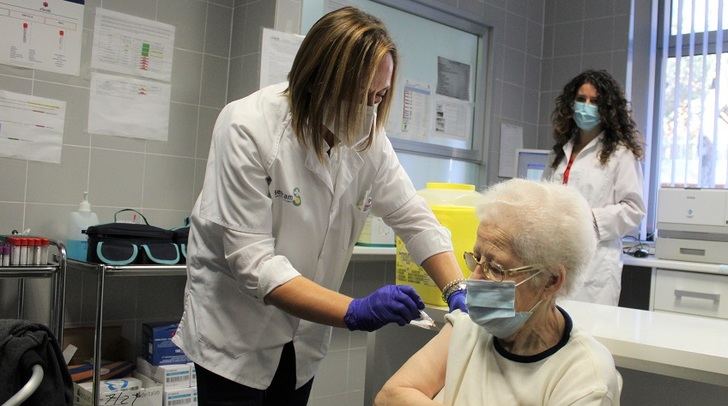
(536, 10)
(49, 220)
(182, 134)
(475, 8)
(116, 178)
(518, 7)
(168, 182)
(621, 32)
(258, 14)
(12, 218)
(186, 75)
(236, 41)
(512, 102)
(598, 35)
(62, 183)
(600, 60)
(598, 8)
(140, 8)
(188, 17)
(568, 38)
(168, 219)
(533, 73)
(205, 124)
(331, 379)
(217, 30)
(565, 68)
(530, 107)
(357, 369)
(514, 66)
(200, 166)
(214, 81)
(515, 32)
(12, 181)
(534, 39)
(569, 10)
(76, 98)
(118, 143)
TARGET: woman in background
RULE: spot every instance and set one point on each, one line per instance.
(597, 152)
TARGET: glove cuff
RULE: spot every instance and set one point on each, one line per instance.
(456, 300)
(350, 319)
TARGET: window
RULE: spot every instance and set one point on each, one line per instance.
(693, 118)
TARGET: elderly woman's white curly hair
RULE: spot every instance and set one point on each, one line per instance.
(549, 224)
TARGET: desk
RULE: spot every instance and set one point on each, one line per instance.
(658, 342)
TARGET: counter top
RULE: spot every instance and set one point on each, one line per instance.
(653, 262)
(678, 345)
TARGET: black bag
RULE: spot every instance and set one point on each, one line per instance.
(180, 238)
(127, 244)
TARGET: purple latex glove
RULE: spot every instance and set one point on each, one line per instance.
(457, 301)
(389, 304)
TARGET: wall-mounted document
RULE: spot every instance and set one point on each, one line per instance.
(31, 127)
(276, 56)
(511, 139)
(453, 79)
(43, 35)
(416, 111)
(128, 107)
(132, 45)
(453, 117)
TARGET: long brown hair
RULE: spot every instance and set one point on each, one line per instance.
(332, 73)
(616, 122)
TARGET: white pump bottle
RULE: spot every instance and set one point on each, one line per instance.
(76, 240)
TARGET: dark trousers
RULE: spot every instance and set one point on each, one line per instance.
(214, 390)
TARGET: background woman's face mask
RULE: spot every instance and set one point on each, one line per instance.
(586, 115)
(368, 119)
(492, 305)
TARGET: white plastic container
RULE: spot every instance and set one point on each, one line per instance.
(76, 240)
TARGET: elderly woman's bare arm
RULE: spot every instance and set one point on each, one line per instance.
(421, 377)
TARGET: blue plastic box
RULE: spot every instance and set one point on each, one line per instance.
(159, 348)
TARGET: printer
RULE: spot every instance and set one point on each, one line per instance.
(692, 225)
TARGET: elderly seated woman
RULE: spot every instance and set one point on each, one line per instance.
(516, 346)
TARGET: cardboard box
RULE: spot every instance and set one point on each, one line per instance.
(180, 397)
(113, 347)
(151, 394)
(159, 348)
(170, 376)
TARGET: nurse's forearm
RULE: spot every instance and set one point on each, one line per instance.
(443, 268)
(308, 300)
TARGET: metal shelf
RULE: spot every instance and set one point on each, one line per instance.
(102, 272)
(57, 273)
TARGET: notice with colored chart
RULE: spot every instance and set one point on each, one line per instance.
(31, 127)
(128, 107)
(132, 45)
(42, 34)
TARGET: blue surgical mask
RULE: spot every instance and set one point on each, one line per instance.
(492, 305)
(586, 115)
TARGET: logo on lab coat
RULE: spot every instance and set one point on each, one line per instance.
(294, 198)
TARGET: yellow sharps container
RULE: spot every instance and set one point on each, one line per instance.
(454, 207)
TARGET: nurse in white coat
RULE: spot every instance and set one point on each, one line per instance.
(293, 171)
(597, 151)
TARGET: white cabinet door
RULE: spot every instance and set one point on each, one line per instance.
(691, 292)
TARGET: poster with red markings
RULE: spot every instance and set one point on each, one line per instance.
(42, 34)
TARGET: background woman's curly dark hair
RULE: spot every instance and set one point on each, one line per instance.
(618, 126)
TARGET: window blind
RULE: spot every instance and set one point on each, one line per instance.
(694, 94)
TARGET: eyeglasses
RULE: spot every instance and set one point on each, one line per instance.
(493, 270)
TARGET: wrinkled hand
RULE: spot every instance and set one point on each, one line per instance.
(389, 304)
(457, 301)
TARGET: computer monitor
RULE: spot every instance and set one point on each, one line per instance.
(530, 163)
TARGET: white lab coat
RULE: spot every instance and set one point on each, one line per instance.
(614, 193)
(269, 211)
